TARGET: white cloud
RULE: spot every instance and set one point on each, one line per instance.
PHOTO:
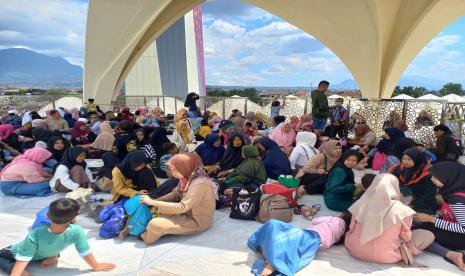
(438, 45)
(47, 26)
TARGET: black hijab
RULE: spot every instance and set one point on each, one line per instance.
(57, 154)
(70, 155)
(350, 178)
(419, 161)
(400, 146)
(40, 134)
(190, 99)
(110, 160)
(158, 139)
(130, 162)
(232, 157)
(142, 143)
(452, 175)
(385, 145)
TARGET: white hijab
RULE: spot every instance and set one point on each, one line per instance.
(379, 208)
(307, 140)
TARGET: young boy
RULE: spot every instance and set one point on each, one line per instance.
(45, 243)
(339, 119)
(91, 106)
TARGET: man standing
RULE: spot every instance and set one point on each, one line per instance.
(320, 107)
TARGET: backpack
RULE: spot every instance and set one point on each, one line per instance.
(83, 196)
(454, 148)
(114, 219)
(278, 189)
(41, 219)
(245, 206)
(139, 216)
(274, 207)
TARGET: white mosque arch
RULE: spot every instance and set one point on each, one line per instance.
(375, 39)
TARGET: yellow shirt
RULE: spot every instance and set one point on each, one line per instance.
(204, 131)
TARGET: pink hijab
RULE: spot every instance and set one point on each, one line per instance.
(28, 166)
(106, 138)
(284, 140)
(6, 130)
(295, 122)
(186, 167)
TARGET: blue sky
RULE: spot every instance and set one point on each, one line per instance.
(244, 45)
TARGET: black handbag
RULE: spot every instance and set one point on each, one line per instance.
(245, 206)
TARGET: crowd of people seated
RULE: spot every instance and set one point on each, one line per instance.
(183, 166)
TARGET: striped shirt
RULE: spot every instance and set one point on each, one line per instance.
(459, 214)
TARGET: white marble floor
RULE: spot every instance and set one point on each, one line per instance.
(221, 250)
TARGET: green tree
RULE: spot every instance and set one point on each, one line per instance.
(397, 91)
(410, 91)
(451, 88)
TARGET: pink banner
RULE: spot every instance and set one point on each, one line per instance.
(199, 48)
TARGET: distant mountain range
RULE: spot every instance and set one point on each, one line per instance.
(22, 66)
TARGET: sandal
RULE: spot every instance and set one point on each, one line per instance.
(452, 262)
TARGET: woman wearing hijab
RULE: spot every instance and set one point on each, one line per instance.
(104, 141)
(183, 135)
(57, 146)
(140, 143)
(415, 180)
(69, 119)
(446, 145)
(40, 134)
(295, 122)
(182, 114)
(250, 173)
(157, 140)
(25, 175)
(275, 161)
(232, 157)
(314, 175)
(81, 134)
(449, 227)
(190, 102)
(283, 135)
(72, 172)
(305, 123)
(9, 136)
(380, 223)
(189, 208)
(132, 176)
(394, 155)
(211, 151)
(304, 150)
(250, 117)
(390, 137)
(341, 185)
(364, 137)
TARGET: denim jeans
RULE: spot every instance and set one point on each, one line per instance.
(24, 189)
(319, 124)
(49, 164)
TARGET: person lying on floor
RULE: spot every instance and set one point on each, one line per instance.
(449, 227)
(287, 249)
(25, 176)
(44, 244)
(72, 172)
(189, 208)
(380, 223)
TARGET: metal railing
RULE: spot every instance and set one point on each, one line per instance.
(419, 115)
